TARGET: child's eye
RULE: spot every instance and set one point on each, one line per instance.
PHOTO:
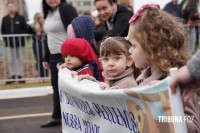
(104, 59)
(65, 56)
(132, 45)
(117, 58)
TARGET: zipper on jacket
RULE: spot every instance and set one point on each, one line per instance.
(12, 30)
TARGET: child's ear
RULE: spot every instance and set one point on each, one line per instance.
(100, 59)
(129, 61)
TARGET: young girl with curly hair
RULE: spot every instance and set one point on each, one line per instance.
(159, 43)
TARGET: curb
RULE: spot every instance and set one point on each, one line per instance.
(27, 92)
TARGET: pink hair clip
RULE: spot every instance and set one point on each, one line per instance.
(135, 16)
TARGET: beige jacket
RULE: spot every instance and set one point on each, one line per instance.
(125, 80)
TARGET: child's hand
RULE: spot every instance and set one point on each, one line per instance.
(60, 65)
(87, 76)
(74, 73)
(104, 86)
(45, 65)
(153, 82)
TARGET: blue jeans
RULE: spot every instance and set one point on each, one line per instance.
(16, 60)
(38, 50)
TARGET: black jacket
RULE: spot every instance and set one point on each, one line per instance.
(67, 14)
(120, 24)
(16, 25)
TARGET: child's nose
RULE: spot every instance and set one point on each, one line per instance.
(130, 50)
(110, 62)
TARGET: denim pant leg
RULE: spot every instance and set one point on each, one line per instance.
(11, 52)
(20, 60)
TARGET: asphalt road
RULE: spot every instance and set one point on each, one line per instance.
(25, 115)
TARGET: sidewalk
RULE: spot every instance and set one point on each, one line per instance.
(27, 92)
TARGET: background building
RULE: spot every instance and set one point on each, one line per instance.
(82, 6)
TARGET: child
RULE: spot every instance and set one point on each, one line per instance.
(158, 43)
(77, 55)
(117, 64)
(39, 43)
(83, 27)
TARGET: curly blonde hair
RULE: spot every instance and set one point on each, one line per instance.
(163, 38)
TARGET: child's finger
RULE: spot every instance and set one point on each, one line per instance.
(81, 77)
(73, 73)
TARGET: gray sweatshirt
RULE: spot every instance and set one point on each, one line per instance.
(194, 65)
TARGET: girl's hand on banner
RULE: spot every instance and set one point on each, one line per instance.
(60, 65)
(104, 86)
(87, 76)
(153, 82)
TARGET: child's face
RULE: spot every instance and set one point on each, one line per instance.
(41, 19)
(72, 62)
(114, 65)
(137, 53)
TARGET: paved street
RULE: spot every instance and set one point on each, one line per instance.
(25, 115)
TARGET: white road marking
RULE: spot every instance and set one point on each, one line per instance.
(24, 116)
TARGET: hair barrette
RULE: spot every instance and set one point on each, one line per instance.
(105, 40)
(139, 12)
(126, 38)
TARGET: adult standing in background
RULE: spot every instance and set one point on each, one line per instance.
(192, 17)
(115, 17)
(14, 23)
(173, 8)
(58, 15)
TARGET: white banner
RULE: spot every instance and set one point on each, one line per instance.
(86, 108)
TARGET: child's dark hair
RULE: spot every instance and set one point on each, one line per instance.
(117, 46)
